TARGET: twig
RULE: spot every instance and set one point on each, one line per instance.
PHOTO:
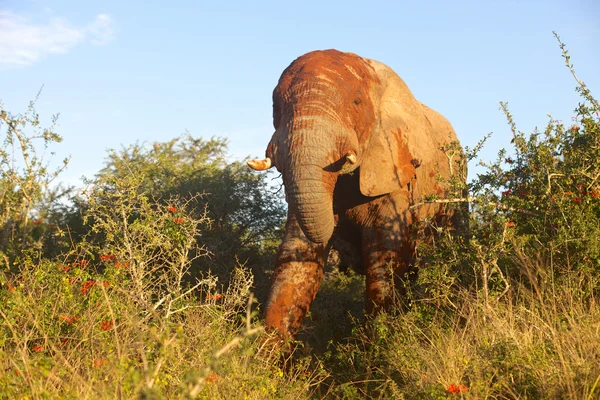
(550, 176)
(234, 342)
(474, 200)
(593, 181)
(11, 125)
(584, 89)
(443, 201)
(591, 395)
(158, 303)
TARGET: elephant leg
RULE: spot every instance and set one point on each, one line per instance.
(297, 278)
(347, 242)
(387, 264)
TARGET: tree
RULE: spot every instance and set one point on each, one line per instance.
(25, 178)
(246, 214)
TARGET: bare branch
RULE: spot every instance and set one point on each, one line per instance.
(474, 200)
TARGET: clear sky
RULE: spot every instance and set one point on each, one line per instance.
(126, 71)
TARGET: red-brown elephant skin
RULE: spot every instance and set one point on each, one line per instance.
(355, 150)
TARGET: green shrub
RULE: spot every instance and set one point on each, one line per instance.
(245, 215)
(118, 317)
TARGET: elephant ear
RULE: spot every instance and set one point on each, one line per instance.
(391, 156)
(388, 164)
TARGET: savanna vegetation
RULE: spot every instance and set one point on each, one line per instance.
(148, 282)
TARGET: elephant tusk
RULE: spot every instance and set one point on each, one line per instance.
(260, 165)
(351, 157)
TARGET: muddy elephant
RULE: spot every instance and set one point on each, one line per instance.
(356, 150)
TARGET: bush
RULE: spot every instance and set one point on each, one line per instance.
(244, 215)
(117, 315)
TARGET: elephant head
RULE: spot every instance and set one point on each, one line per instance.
(334, 112)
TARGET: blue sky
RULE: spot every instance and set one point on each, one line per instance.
(121, 72)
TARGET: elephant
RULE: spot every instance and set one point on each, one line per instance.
(357, 154)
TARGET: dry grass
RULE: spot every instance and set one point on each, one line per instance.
(534, 341)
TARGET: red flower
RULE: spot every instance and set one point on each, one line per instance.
(595, 193)
(121, 265)
(11, 288)
(87, 286)
(37, 221)
(577, 200)
(68, 319)
(568, 194)
(507, 192)
(172, 209)
(214, 297)
(213, 378)
(510, 224)
(178, 220)
(63, 267)
(574, 128)
(452, 388)
(103, 283)
(107, 257)
(37, 348)
(106, 325)
(99, 363)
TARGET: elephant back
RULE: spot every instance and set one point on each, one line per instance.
(407, 142)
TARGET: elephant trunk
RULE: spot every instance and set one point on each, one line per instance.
(310, 191)
(313, 201)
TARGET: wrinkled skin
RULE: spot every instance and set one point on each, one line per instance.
(355, 150)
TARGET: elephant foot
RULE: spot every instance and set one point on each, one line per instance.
(273, 349)
(385, 281)
(293, 291)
